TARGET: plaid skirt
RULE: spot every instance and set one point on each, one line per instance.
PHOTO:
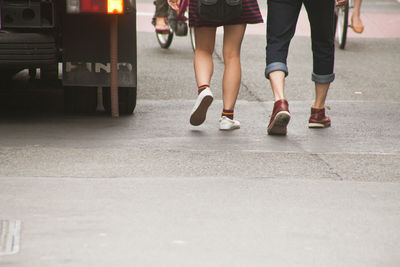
(251, 15)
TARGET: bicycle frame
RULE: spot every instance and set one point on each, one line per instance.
(181, 14)
(182, 10)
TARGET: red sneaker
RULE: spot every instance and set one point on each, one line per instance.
(280, 118)
(318, 119)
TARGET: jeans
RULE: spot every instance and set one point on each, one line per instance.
(281, 26)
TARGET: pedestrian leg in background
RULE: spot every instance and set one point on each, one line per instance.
(356, 23)
(160, 15)
(321, 17)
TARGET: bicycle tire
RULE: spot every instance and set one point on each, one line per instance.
(165, 40)
(192, 39)
(341, 25)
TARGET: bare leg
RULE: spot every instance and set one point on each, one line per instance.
(161, 23)
(280, 116)
(203, 62)
(277, 80)
(161, 14)
(321, 91)
(355, 17)
(318, 118)
(233, 36)
(203, 69)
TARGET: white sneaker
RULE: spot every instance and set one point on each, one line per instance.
(199, 112)
(226, 124)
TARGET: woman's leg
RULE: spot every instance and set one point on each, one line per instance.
(203, 69)
(161, 24)
(203, 62)
(161, 14)
(233, 36)
(356, 22)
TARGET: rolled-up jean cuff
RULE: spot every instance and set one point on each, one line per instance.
(274, 66)
(328, 78)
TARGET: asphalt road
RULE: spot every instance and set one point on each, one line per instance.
(151, 190)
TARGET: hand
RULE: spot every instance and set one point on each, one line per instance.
(174, 4)
(338, 2)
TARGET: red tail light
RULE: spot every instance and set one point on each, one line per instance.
(95, 6)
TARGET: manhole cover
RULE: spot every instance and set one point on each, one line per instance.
(9, 236)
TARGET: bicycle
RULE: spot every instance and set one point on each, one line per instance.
(342, 23)
(177, 22)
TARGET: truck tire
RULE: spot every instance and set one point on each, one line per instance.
(80, 99)
(126, 99)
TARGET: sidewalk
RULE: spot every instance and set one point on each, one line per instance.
(151, 190)
(377, 24)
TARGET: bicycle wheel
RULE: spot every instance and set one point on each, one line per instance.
(192, 39)
(165, 39)
(342, 23)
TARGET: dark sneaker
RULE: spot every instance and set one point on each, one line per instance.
(280, 118)
(318, 119)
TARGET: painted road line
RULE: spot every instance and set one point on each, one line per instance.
(9, 236)
(145, 14)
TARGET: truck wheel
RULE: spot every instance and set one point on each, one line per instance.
(126, 99)
(80, 99)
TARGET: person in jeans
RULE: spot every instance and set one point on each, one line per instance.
(203, 62)
(281, 25)
(160, 15)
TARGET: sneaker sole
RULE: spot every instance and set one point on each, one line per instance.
(279, 125)
(199, 115)
(229, 129)
(318, 125)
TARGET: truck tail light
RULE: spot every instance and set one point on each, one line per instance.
(115, 6)
(95, 6)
